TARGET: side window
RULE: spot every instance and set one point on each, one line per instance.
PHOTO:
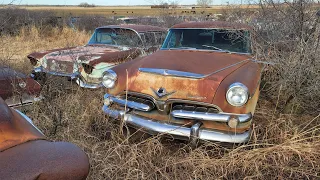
(160, 37)
(175, 39)
(149, 39)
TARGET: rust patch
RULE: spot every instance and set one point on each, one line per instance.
(10, 79)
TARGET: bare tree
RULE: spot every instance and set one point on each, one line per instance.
(286, 35)
(204, 3)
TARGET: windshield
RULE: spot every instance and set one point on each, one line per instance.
(115, 36)
(208, 39)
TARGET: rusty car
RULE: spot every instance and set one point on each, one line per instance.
(108, 46)
(26, 153)
(18, 89)
(203, 84)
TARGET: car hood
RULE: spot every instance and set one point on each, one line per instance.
(89, 54)
(205, 71)
(68, 60)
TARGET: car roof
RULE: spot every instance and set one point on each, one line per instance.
(138, 28)
(212, 24)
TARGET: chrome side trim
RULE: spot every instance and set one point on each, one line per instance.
(74, 76)
(28, 119)
(168, 72)
(41, 69)
(177, 131)
(24, 100)
(129, 104)
(218, 117)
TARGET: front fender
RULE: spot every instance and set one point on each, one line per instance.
(249, 75)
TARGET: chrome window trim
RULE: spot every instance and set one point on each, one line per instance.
(239, 29)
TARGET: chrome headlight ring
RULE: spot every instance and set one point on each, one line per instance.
(237, 94)
(109, 79)
(22, 84)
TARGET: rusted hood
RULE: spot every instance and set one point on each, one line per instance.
(214, 66)
(200, 62)
(90, 54)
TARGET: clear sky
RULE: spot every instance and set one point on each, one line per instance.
(104, 2)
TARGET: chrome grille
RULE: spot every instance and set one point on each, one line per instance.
(137, 99)
(194, 108)
(59, 66)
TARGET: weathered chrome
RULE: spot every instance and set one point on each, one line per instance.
(194, 134)
(38, 69)
(23, 100)
(162, 92)
(74, 76)
(218, 117)
(113, 78)
(168, 72)
(177, 131)
(235, 85)
(165, 105)
(87, 85)
(129, 104)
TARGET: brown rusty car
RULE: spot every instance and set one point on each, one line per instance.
(108, 46)
(17, 89)
(26, 153)
(202, 84)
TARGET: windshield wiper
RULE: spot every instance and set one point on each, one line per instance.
(216, 48)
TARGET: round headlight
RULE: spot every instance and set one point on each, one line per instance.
(22, 84)
(109, 79)
(237, 94)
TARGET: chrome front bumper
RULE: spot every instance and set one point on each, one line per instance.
(74, 76)
(87, 85)
(177, 131)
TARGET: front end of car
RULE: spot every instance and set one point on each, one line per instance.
(73, 65)
(180, 104)
(18, 89)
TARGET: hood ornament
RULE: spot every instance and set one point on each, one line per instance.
(162, 92)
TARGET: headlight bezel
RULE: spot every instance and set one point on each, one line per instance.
(111, 76)
(243, 87)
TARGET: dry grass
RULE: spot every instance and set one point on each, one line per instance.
(13, 50)
(283, 146)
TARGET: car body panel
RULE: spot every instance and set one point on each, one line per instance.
(15, 129)
(204, 63)
(13, 93)
(26, 153)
